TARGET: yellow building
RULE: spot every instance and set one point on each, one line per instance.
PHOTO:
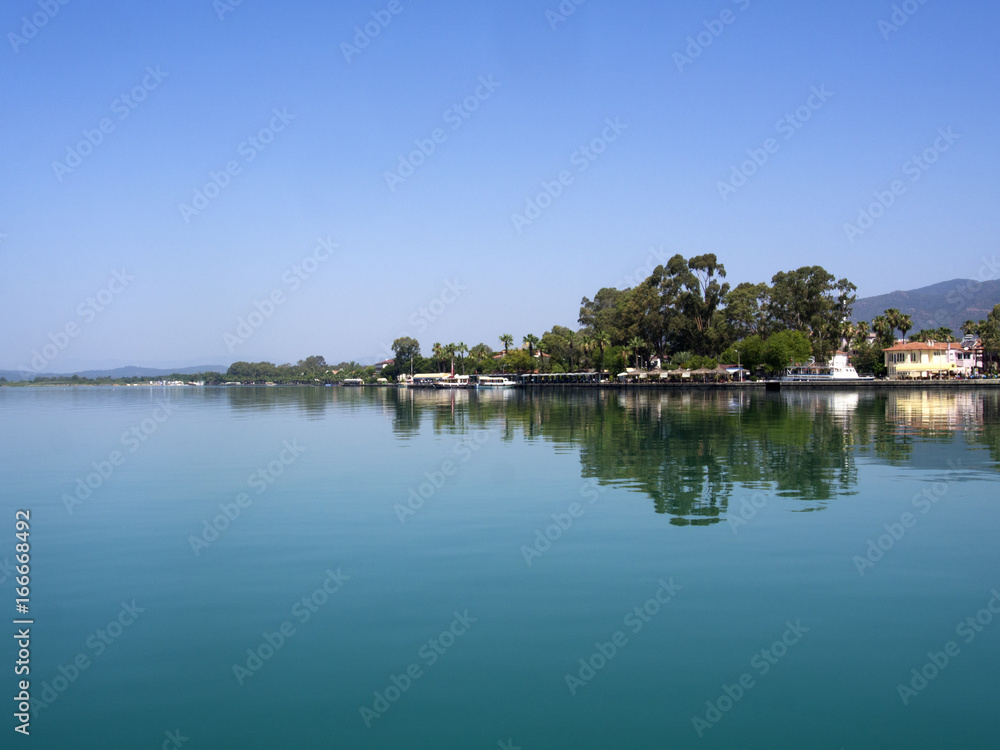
(922, 359)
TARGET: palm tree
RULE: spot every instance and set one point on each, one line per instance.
(899, 320)
(861, 330)
(479, 353)
(506, 339)
(450, 350)
(892, 318)
(586, 344)
(884, 329)
(847, 331)
(681, 359)
(636, 345)
(541, 357)
(989, 332)
(970, 328)
(532, 341)
(601, 340)
(571, 346)
(437, 354)
(904, 323)
(463, 350)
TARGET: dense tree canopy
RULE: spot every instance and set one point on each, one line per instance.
(684, 314)
(934, 334)
(405, 350)
(686, 306)
(989, 331)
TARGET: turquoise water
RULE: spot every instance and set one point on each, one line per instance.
(734, 570)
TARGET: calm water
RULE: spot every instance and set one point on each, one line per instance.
(347, 568)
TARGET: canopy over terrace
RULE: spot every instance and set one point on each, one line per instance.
(563, 377)
(925, 369)
(704, 374)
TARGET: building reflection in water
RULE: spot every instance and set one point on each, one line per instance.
(692, 453)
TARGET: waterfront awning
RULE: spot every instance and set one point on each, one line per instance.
(926, 367)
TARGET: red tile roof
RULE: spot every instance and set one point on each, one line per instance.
(910, 346)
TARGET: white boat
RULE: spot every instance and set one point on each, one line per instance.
(493, 381)
(822, 373)
(453, 381)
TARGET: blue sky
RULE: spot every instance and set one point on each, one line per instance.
(438, 254)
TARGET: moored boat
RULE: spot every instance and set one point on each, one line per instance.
(494, 381)
(453, 381)
(822, 373)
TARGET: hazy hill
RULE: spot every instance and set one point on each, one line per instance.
(119, 372)
(948, 303)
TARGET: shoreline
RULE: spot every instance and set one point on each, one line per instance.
(760, 385)
(773, 385)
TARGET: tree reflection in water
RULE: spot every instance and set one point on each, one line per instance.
(692, 452)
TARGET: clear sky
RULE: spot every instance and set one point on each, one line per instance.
(448, 249)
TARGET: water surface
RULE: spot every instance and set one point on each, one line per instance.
(423, 569)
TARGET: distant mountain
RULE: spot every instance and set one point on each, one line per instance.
(949, 304)
(119, 372)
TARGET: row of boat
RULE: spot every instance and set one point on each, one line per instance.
(462, 382)
(836, 371)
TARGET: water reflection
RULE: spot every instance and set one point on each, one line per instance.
(693, 453)
(929, 412)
